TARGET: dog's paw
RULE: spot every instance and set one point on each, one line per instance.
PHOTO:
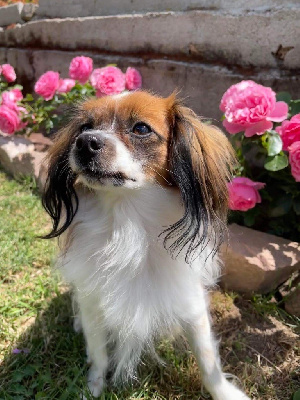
(228, 391)
(96, 382)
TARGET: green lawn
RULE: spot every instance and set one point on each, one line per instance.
(42, 358)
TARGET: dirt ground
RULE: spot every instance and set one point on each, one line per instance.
(267, 341)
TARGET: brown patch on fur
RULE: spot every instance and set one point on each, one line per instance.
(212, 156)
(61, 144)
(129, 109)
(210, 150)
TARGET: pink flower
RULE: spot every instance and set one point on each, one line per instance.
(133, 79)
(81, 68)
(47, 85)
(9, 120)
(13, 95)
(108, 80)
(65, 85)
(251, 107)
(9, 73)
(294, 157)
(243, 193)
(289, 131)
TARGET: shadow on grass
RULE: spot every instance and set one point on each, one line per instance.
(260, 348)
(55, 360)
(54, 367)
(50, 364)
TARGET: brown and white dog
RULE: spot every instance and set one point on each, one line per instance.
(137, 187)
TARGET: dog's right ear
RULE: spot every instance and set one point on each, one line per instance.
(59, 197)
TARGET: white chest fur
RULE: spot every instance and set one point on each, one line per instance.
(124, 278)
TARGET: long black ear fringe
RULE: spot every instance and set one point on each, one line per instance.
(192, 231)
(59, 198)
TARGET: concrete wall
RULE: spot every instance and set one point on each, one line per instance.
(201, 85)
(246, 40)
(86, 8)
(200, 47)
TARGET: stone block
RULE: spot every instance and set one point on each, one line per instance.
(292, 302)
(86, 8)
(200, 84)
(40, 142)
(257, 262)
(19, 158)
(266, 40)
(29, 11)
(11, 14)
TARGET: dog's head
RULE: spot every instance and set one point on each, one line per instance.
(138, 139)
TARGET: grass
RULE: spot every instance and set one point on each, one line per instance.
(259, 342)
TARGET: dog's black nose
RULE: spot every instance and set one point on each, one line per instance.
(89, 144)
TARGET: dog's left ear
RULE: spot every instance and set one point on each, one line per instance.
(59, 197)
(200, 162)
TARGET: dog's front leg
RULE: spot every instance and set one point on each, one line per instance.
(96, 340)
(205, 350)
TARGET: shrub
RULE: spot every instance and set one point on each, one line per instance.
(265, 132)
(43, 111)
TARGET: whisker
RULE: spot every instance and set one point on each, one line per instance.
(153, 169)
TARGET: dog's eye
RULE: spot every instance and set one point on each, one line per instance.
(141, 129)
(86, 127)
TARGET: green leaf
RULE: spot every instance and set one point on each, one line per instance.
(264, 140)
(296, 205)
(28, 97)
(17, 376)
(277, 162)
(283, 96)
(294, 107)
(18, 388)
(281, 207)
(40, 395)
(249, 219)
(296, 395)
(29, 370)
(20, 87)
(274, 144)
(49, 125)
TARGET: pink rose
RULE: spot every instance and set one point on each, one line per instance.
(294, 157)
(108, 80)
(9, 120)
(13, 95)
(10, 99)
(47, 85)
(251, 107)
(133, 79)
(81, 68)
(289, 131)
(65, 85)
(9, 73)
(243, 193)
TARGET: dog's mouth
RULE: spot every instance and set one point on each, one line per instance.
(101, 177)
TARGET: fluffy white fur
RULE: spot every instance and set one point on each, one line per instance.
(128, 288)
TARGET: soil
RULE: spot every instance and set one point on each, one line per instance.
(267, 340)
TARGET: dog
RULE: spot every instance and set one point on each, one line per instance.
(137, 191)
